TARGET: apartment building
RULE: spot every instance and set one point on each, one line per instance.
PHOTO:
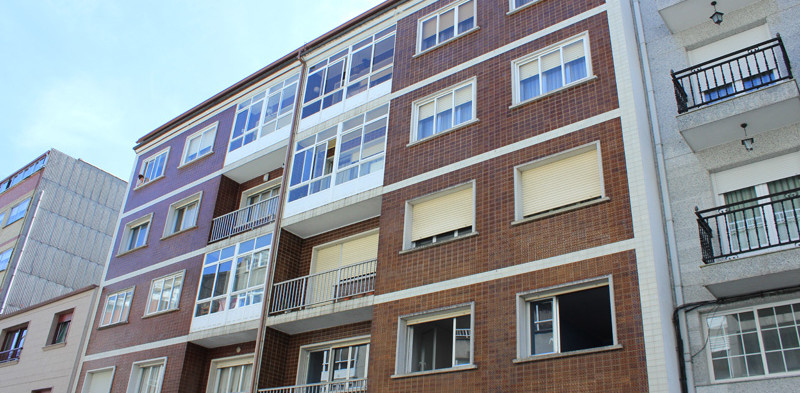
(727, 128)
(46, 342)
(56, 221)
(434, 196)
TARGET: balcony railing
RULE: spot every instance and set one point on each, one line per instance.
(750, 225)
(10, 355)
(324, 287)
(747, 69)
(349, 386)
(243, 220)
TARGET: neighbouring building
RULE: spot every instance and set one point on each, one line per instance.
(727, 127)
(57, 217)
(434, 196)
(42, 344)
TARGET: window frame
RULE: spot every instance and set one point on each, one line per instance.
(10, 253)
(306, 350)
(408, 243)
(754, 309)
(516, 64)
(142, 179)
(124, 312)
(437, 14)
(174, 276)
(524, 299)
(136, 373)
(127, 233)
(17, 343)
(405, 343)
(244, 106)
(227, 362)
(199, 135)
(434, 98)
(2, 217)
(519, 214)
(87, 378)
(172, 215)
(512, 8)
(11, 218)
(56, 327)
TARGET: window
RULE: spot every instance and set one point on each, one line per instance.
(152, 167)
(13, 339)
(183, 214)
(351, 149)
(264, 113)
(247, 262)
(61, 327)
(443, 111)
(165, 293)
(342, 365)
(231, 375)
(117, 307)
(753, 222)
(18, 211)
(146, 376)
(551, 69)
(5, 256)
(135, 234)
(517, 4)
(565, 319)
(442, 216)
(98, 381)
(566, 179)
(435, 341)
(358, 68)
(2, 217)
(755, 341)
(23, 174)
(445, 24)
(348, 268)
(199, 144)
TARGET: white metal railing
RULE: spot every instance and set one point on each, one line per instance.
(349, 386)
(244, 219)
(10, 355)
(328, 286)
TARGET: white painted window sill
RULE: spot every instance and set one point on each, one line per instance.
(432, 372)
(552, 92)
(565, 209)
(535, 358)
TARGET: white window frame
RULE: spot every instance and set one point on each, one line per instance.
(172, 214)
(126, 307)
(408, 244)
(523, 315)
(212, 130)
(268, 185)
(305, 351)
(174, 277)
(262, 128)
(536, 56)
(512, 7)
(12, 218)
(143, 181)
(138, 367)
(232, 361)
(754, 309)
(405, 337)
(436, 14)
(2, 217)
(433, 98)
(9, 252)
(519, 169)
(89, 375)
(127, 232)
(54, 330)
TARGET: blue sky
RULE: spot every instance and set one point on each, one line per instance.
(89, 77)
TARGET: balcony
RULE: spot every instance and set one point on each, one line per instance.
(749, 226)
(753, 85)
(245, 219)
(348, 386)
(10, 355)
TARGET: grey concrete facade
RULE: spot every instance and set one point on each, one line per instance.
(65, 234)
(701, 155)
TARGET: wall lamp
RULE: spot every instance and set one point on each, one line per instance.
(716, 17)
(746, 142)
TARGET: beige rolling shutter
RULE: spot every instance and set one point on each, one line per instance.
(327, 258)
(563, 182)
(438, 316)
(528, 70)
(360, 250)
(442, 214)
(463, 95)
(100, 382)
(551, 60)
(426, 111)
(573, 51)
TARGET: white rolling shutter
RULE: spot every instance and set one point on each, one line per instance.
(442, 214)
(573, 179)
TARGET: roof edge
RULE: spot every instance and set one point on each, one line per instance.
(49, 301)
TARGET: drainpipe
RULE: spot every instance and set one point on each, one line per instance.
(672, 248)
(278, 218)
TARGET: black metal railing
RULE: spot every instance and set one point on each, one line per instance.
(10, 355)
(746, 69)
(749, 225)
